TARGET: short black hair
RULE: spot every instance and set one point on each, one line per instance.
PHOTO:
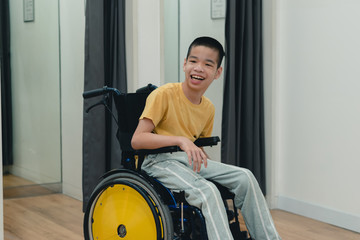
(210, 43)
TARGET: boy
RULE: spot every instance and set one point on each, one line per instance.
(178, 114)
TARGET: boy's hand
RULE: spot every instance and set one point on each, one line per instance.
(195, 154)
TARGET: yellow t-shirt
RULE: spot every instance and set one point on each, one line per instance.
(174, 115)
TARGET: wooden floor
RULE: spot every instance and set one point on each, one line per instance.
(54, 216)
(57, 216)
(14, 187)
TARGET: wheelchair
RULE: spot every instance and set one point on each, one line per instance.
(127, 203)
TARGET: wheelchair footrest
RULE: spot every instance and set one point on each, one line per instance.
(237, 234)
(230, 214)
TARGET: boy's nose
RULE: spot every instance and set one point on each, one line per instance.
(198, 68)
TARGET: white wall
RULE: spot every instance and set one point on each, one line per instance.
(72, 29)
(36, 69)
(172, 70)
(270, 100)
(319, 109)
(35, 92)
(145, 42)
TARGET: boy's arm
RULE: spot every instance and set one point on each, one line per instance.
(143, 138)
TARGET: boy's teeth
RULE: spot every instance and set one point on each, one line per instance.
(198, 78)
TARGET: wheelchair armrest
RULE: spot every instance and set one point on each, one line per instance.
(158, 150)
(200, 142)
(209, 141)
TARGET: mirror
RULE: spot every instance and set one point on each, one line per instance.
(36, 110)
(184, 21)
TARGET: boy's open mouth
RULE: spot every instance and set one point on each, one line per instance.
(196, 77)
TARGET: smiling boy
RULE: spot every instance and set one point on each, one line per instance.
(178, 114)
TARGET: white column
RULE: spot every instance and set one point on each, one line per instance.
(145, 43)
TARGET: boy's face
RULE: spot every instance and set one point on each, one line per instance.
(201, 68)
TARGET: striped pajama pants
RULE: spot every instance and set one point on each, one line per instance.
(174, 172)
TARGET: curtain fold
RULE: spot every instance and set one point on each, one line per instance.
(6, 102)
(243, 140)
(104, 65)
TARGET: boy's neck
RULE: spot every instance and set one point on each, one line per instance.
(193, 96)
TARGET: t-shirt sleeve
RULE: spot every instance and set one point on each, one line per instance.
(155, 107)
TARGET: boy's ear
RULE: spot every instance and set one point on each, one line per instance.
(218, 72)
(184, 64)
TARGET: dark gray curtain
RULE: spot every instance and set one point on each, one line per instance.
(104, 65)
(243, 110)
(6, 103)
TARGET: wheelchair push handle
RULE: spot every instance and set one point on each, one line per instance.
(100, 91)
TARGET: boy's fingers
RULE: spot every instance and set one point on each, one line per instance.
(197, 161)
(196, 158)
(189, 158)
(203, 159)
(194, 164)
(205, 162)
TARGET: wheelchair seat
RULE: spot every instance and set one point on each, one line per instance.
(129, 204)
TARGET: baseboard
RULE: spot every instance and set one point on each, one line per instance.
(72, 191)
(31, 190)
(34, 176)
(320, 213)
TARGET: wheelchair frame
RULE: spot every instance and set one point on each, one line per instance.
(170, 217)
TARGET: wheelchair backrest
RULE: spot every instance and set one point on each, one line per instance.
(129, 107)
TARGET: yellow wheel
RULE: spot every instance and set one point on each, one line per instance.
(123, 212)
(125, 206)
